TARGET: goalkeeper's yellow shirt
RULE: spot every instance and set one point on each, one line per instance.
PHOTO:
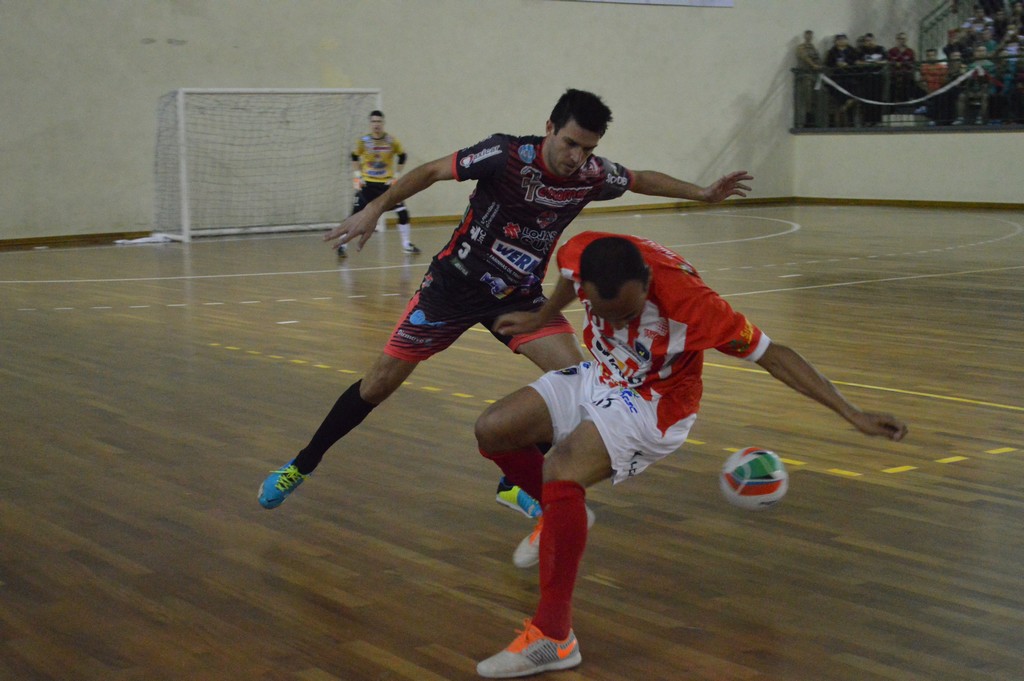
(376, 157)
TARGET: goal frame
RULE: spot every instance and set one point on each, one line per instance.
(186, 232)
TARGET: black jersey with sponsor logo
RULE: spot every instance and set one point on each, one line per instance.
(518, 210)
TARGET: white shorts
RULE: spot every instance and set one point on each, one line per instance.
(628, 424)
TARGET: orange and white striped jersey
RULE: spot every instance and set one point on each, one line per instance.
(660, 354)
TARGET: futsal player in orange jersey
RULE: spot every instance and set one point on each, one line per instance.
(649, 319)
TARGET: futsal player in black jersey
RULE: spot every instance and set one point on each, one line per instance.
(528, 190)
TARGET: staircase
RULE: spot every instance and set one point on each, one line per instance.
(935, 25)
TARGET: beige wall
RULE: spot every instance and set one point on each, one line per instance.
(696, 92)
(963, 167)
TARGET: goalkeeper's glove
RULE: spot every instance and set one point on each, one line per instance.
(357, 180)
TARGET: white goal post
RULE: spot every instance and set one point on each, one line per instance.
(237, 161)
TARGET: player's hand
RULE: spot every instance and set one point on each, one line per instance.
(882, 425)
(357, 227)
(516, 323)
(729, 185)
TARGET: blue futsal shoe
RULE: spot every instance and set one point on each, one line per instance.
(515, 498)
(279, 484)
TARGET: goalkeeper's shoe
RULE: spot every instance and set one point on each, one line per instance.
(279, 484)
(516, 499)
(532, 652)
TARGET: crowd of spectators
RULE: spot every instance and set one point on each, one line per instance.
(974, 79)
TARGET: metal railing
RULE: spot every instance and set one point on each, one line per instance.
(935, 26)
(919, 94)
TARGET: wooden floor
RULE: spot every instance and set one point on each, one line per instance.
(148, 389)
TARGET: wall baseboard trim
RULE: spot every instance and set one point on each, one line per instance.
(73, 240)
(905, 203)
(69, 240)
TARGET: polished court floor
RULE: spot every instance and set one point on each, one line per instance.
(148, 389)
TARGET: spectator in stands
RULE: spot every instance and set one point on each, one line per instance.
(808, 64)
(1000, 22)
(1017, 16)
(1004, 104)
(989, 41)
(978, 22)
(872, 61)
(901, 65)
(952, 43)
(946, 103)
(841, 59)
(966, 40)
(990, 7)
(933, 71)
(977, 89)
(934, 74)
(1015, 94)
(1011, 42)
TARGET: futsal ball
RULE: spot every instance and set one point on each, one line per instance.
(754, 479)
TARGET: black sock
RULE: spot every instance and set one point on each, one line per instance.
(347, 413)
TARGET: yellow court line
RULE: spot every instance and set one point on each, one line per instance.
(847, 474)
(915, 393)
(604, 581)
(791, 462)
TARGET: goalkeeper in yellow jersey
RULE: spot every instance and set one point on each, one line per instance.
(377, 161)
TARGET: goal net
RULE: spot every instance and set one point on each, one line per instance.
(236, 161)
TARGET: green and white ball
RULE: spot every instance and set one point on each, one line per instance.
(754, 479)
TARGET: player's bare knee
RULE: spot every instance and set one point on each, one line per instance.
(488, 430)
(384, 378)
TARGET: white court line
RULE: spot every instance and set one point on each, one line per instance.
(852, 283)
(872, 281)
(793, 227)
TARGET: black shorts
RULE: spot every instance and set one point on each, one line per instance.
(447, 304)
(372, 190)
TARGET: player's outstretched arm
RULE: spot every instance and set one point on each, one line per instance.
(654, 183)
(788, 366)
(361, 225)
(516, 323)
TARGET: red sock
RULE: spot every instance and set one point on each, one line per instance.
(523, 467)
(561, 549)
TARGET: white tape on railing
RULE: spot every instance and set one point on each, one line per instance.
(822, 78)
